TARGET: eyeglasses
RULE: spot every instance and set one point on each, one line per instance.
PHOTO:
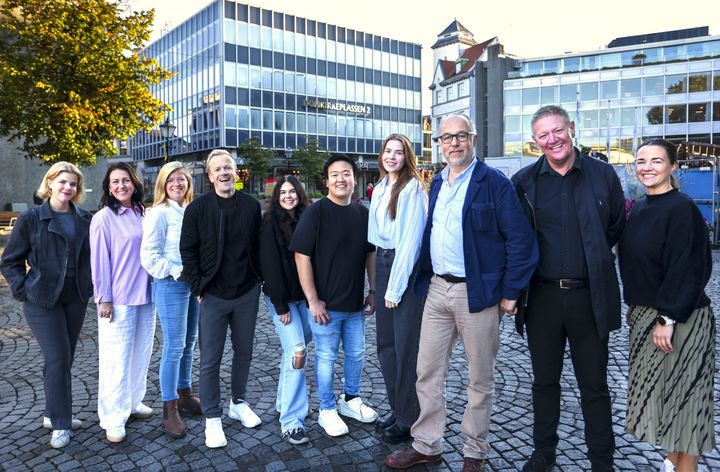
(447, 138)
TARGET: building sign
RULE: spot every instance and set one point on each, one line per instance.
(346, 107)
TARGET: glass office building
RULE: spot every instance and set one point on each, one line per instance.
(620, 96)
(244, 71)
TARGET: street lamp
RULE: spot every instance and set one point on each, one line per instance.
(288, 156)
(167, 130)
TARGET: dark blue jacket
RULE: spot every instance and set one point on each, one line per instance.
(36, 239)
(499, 245)
(600, 207)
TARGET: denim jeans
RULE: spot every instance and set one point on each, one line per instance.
(292, 394)
(350, 328)
(178, 311)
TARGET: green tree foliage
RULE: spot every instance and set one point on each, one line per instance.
(259, 159)
(310, 160)
(73, 79)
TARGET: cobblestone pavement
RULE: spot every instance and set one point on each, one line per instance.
(24, 443)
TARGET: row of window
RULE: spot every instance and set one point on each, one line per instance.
(260, 78)
(451, 92)
(269, 120)
(614, 89)
(254, 16)
(614, 60)
(378, 76)
(629, 116)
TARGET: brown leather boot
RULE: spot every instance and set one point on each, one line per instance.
(188, 402)
(174, 426)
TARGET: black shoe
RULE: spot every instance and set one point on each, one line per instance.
(396, 433)
(296, 436)
(384, 423)
(538, 463)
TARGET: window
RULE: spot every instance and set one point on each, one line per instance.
(676, 113)
(609, 90)
(716, 111)
(439, 96)
(630, 88)
(451, 93)
(461, 89)
(589, 91)
(513, 124)
(549, 95)
(653, 86)
(568, 93)
(627, 116)
(531, 96)
(675, 84)
(513, 98)
(279, 121)
(267, 123)
(290, 121)
(652, 115)
(255, 118)
(699, 82)
(698, 112)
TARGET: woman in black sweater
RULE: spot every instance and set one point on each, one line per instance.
(665, 263)
(286, 303)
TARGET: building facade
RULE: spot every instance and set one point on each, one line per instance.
(622, 95)
(244, 71)
(468, 79)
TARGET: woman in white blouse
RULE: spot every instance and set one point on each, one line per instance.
(397, 219)
(176, 307)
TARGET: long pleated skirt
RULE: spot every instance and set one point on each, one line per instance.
(670, 396)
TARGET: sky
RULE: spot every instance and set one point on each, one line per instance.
(526, 28)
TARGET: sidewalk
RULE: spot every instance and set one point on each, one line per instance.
(24, 443)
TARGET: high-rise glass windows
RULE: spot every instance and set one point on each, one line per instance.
(676, 113)
(590, 119)
(289, 82)
(242, 33)
(289, 38)
(531, 96)
(266, 38)
(630, 88)
(698, 112)
(610, 61)
(551, 66)
(549, 95)
(332, 124)
(350, 90)
(278, 81)
(301, 128)
(230, 73)
(589, 63)
(609, 89)
(716, 111)
(331, 87)
(300, 83)
(699, 82)
(289, 122)
(359, 56)
(342, 126)
(340, 53)
(341, 89)
(255, 121)
(242, 118)
(653, 86)
(311, 85)
(255, 77)
(230, 34)
(513, 98)
(278, 40)
(279, 121)
(267, 120)
(350, 54)
(675, 53)
(310, 46)
(230, 117)
(266, 78)
(513, 124)
(568, 93)
(254, 36)
(242, 75)
(652, 115)
(589, 91)
(627, 117)
(330, 46)
(322, 87)
(571, 64)
(322, 124)
(321, 48)
(675, 84)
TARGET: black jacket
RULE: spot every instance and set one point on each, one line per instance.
(600, 207)
(36, 239)
(202, 238)
(277, 265)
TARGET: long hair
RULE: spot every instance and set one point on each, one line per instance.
(163, 175)
(107, 200)
(285, 220)
(43, 191)
(408, 172)
(670, 151)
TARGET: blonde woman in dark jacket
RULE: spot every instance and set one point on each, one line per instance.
(53, 240)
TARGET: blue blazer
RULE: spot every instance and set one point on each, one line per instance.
(499, 245)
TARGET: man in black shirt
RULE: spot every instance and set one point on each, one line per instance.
(218, 246)
(332, 254)
(577, 207)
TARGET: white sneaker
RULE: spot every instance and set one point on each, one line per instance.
(242, 411)
(667, 466)
(332, 423)
(142, 411)
(60, 438)
(214, 434)
(115, 435)
(356, 409)
(74, 423)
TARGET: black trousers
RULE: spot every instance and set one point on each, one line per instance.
(398, 339)
(57, 330)
(554, 316)
(216, 315)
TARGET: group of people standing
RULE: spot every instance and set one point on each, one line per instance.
(439, 266)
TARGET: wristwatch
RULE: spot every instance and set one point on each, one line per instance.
(665, 321)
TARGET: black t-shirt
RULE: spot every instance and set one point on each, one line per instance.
(65, 222)
(335, 239)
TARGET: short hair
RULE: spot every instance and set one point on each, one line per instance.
(471, 125)
(549, 110)
(107, 200)
(163, 175)
(43, 191)
(215, 153)
(337, 158)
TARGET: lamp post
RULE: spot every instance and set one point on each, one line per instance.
(288, 157)
(167, 130)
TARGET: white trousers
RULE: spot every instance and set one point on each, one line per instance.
(124, 346)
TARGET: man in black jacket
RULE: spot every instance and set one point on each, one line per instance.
(218, 246)
(577, 208)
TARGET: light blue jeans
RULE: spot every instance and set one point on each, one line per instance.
(350, 328)
(292, 395)
(178, 311)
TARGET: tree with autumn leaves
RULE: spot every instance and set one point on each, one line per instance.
(72, 79)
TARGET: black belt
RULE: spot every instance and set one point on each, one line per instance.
(567, 284)
(452, 279)
(384, 252)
